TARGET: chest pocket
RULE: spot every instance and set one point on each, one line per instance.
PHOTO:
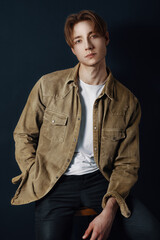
(54, 125)
(111, 139)
(113, 135)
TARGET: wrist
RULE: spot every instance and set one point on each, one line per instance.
(111, 205)
(111, 202)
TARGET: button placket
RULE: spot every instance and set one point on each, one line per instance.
(75, 135)
(95, 132)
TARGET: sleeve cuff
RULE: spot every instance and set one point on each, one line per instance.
(17, 179)
(121, 202)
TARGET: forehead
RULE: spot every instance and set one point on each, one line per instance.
(83, 27)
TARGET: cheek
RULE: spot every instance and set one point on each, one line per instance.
(79, 53)
(103, 49)
(77, 50)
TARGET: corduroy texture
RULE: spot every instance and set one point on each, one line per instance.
(47, 133)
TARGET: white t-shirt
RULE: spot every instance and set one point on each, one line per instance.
(83, 159)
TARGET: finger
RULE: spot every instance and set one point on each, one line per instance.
(94, 235)
(88, 231)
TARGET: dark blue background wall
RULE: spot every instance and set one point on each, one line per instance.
(32, 44)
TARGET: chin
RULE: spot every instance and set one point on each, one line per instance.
(90, 64)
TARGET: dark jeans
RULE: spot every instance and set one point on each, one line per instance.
(54, 212)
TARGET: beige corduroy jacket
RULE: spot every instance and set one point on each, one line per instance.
(48, 129)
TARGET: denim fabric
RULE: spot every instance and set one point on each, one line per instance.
(54, 213)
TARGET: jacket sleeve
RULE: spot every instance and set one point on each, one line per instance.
(126, 164)
(26, 133)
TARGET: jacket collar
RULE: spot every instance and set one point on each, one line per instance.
(73, 75)
(108, 88)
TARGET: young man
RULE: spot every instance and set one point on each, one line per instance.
(77, 141)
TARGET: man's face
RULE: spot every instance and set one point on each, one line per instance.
(88, 45)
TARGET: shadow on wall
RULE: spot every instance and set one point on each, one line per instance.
(133, 57)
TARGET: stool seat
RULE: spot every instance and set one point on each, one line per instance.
(85, 212)
(82, 218)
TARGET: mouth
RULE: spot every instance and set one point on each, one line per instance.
(90, 55)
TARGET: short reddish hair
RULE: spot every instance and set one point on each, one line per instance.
(99, 24)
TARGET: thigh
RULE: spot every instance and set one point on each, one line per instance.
(59, 228)
(60, 201)
(54, 212)
(95, 187)
(142, 225)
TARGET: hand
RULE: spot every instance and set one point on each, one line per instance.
(101, 226)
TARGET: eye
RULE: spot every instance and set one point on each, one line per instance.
(77, 41)
(94, 36)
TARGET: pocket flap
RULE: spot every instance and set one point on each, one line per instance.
(59, 120)
(55, 118)
(114, 135)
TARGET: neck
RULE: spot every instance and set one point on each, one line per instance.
(94, 75)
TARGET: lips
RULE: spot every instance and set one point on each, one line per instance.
(90, 55)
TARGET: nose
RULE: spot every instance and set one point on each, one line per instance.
(88, 44)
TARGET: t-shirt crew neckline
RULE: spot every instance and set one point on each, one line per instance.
(92, 85)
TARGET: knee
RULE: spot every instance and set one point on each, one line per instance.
(143, 224)
(146, 231)
(152, 231)
(44, 232)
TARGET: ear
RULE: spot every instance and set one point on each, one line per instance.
(107, 38)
